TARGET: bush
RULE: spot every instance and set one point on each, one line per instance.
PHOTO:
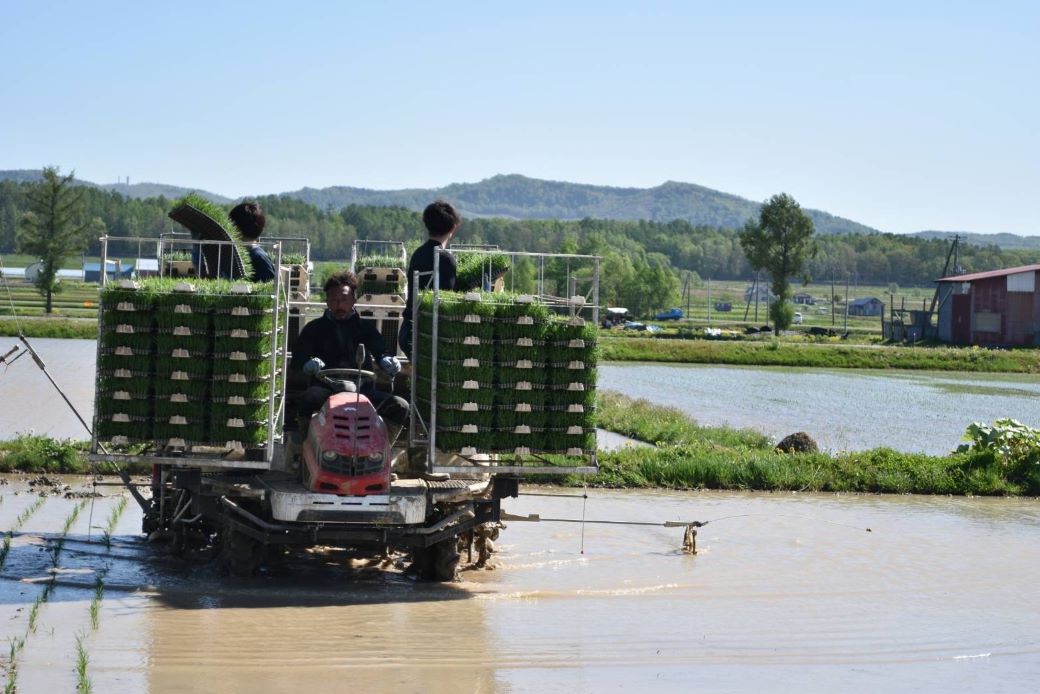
(31, 453)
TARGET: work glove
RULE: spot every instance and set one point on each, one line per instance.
(391, 365)
(313, 366)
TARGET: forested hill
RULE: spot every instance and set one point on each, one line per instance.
(136, 191)
(519, 197)
(1008, 241)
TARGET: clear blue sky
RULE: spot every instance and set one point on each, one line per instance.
(900, 115)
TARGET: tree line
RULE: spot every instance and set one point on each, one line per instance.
(644, 262)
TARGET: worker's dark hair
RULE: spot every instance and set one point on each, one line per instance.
(250, 219)
(440, 218)
(343, 278)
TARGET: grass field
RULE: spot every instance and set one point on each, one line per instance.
(75, 300)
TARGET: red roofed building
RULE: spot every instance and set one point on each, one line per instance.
(997, 308)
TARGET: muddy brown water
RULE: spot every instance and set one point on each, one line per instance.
(787, 593)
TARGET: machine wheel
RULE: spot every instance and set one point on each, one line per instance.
(438, 562)
(242, 554)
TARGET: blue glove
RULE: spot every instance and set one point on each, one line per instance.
(313, 366)
(391, 365)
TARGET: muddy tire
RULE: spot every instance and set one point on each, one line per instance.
(242, 554)
(438, 563)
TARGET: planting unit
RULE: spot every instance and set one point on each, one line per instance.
(192, 379)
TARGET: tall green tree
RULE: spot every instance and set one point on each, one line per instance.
(54, 227)
(782, 244)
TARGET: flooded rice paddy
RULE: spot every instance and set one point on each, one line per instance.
(843, 409)
(787, 593)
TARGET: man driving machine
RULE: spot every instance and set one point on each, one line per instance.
(331, 342)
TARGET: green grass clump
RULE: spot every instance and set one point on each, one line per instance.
(33, 453)
(690, 456)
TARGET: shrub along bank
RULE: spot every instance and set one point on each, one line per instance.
(1000, 459)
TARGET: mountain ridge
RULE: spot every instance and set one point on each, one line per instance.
(520, 197)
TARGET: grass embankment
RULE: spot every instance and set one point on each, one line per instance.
(820, 355)
(32, 453)
(689, 456)
(83, 329)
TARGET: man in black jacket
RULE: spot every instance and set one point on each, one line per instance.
(331, 342)
(441, 221)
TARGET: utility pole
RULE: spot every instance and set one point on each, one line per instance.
(846, 304)
(832, 299)
(709, 301)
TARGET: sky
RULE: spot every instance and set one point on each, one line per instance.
(903, 116)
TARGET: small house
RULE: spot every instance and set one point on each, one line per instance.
(870, 306)
(998, 308)
(804, 299)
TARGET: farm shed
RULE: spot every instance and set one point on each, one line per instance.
(998, 308)
(869, 306)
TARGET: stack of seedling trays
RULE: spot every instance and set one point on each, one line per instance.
(125, 362)
(380, 275)
(465, 414)
(181, 358)
(570, 350)
(381, 286)
(243, 386)
(511, 379)
(520, 376)
(187, 366)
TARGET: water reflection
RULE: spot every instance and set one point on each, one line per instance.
(841, 409)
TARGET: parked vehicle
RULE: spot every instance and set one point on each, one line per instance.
(670, 314)
(797, 318)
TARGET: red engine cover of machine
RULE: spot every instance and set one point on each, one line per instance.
(348, 430)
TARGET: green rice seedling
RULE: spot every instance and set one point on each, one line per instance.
(192, 431)
(113, 519)
(27, 513)
(294, 259)
(211, 209)
(480, 269)
(258, 321)
(108, 406)
(82, 662)
(455, 416)
(379, 261)
(192, 388)
(252, 390)
(73, 515)
(251, 435)
(34, 611)
(192, 410)
(196, 343)
(17, 644)
(255, 344)
(136, 361)
(95, 603)
(251, 369)
(5, 547)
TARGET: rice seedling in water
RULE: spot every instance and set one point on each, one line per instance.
(99, 595)
(17, 644)
(82, 661)
(4, 549)
(113, 519)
